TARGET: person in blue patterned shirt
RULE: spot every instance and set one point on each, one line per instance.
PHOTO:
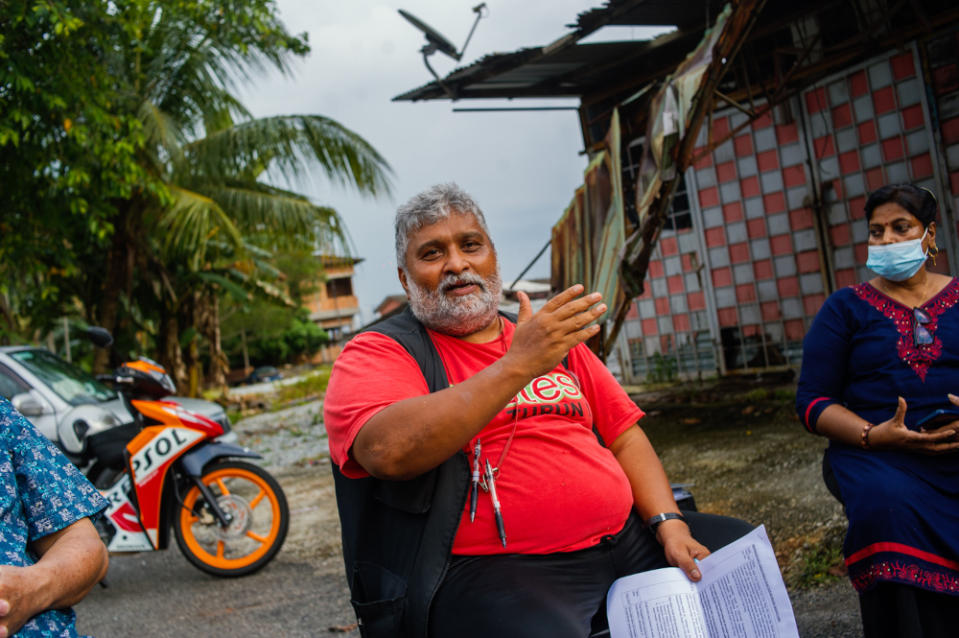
(50, 552)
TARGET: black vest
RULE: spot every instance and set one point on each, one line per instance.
(398, 535)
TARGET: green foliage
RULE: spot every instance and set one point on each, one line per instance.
(274, 335)
(786, 395)
(756, 394)
(134, 182)
(821, 564)
(68, 151)
(663, 369)
(779, 395)
(309, 386)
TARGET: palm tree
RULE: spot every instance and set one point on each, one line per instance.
(211, 163)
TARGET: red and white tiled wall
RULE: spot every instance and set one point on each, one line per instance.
(942, 56)
(868, 127)
(739, 289)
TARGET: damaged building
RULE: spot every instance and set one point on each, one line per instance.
(730, 160)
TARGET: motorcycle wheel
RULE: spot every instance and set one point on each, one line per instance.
(261, 518)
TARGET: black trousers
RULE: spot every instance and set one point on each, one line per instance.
(892, 610)
(556, 595)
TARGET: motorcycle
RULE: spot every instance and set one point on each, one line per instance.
(167, 470)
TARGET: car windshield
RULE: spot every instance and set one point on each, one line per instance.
(72, 384)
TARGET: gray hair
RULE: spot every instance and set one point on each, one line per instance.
(432, 205)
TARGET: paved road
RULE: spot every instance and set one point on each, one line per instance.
(160, 594)
(300, 593)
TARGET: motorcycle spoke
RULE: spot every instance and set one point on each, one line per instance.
(257, 537)
(253, 535)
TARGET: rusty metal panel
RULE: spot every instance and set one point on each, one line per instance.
(587, 239)
(677, 112)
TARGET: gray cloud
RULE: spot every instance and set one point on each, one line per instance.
(522, 168)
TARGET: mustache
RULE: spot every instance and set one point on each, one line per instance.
(451, 281)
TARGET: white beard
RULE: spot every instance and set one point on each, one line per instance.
(456, 316)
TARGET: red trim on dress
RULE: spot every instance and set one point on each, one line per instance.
(900, 571)
(909, 573)
(905, 573)
(809, 409)
(900, 548)
(919, 358)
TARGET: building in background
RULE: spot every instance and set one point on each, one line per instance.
(390, 305)
(802, 109)
(334, 306)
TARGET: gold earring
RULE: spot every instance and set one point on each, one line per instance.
(933, 251)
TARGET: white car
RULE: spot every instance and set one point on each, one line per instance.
(44, 388)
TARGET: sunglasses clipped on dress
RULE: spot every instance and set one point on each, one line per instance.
(920, 333)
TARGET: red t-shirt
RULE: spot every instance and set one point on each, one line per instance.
(559, 489)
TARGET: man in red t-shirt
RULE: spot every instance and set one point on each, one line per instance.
(559, 515)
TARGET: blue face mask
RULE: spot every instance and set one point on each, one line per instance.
(898, 261)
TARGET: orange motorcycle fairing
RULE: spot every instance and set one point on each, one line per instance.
(172, 413)
(151, 453)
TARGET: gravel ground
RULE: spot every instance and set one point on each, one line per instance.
(745, 454)
(744, 458)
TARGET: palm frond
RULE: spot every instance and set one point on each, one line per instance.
(188, 76)
(228, 285)
(274, 292)
(163, 136)
(190, 222)
(253, 207)
(291, 144)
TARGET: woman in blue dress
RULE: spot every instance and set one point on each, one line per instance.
(881, 357)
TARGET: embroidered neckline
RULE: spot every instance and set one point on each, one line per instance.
(920, 357)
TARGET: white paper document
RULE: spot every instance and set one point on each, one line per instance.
(741, 595)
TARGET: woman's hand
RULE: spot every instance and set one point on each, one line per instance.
(894, 435)
(680, 547)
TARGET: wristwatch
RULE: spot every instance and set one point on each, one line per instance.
(653, 522)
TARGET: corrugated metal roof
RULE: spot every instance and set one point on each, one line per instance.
(533, 72)
(681, 13)
(566, 68)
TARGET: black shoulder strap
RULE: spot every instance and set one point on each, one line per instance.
(406, 330)
(422, 515)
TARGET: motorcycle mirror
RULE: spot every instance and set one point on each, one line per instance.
(100, 337)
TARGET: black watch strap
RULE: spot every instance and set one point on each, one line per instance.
(653, 522)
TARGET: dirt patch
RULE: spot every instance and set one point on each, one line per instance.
(314, 534)
(294, 446)
(751, 458)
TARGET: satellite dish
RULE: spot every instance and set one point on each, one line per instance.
(434, 37)
(436, 42)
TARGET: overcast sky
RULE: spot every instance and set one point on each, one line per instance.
(522, 168)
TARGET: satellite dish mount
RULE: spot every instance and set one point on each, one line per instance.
(436, 42)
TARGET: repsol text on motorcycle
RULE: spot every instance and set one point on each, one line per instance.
(167, 470)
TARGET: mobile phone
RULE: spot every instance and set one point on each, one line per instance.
(938, 418)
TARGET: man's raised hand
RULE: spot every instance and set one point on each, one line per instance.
(543, 339)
